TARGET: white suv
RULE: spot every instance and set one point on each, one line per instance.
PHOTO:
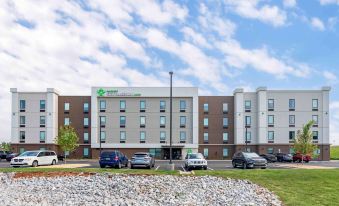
(35, 158)
(195, 161)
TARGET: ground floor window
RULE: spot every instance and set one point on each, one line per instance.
(155, 152)
(66, 153)
(248, 149)
(42, 148)
(86, 152)
(270, 150)
(21, 150)
(292, 151)
(206, 152)
(316, 152)
(225, 152)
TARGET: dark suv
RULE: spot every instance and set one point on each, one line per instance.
(113, 159)
(282, 157)
(3, 155)
(248, 160)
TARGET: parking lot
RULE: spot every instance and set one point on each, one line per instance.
(212, 164)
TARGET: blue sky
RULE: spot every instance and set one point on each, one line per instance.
(215, 45)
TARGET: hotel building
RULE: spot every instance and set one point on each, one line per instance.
(134, 119)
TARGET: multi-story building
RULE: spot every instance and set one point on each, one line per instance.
(134, 119)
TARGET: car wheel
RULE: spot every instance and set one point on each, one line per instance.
(306, 161)
(119, 165)
(53, 162)
(234, 164)
(132, 166)
(205, 168)
(102, 166)
(35, 163)
(126, 165)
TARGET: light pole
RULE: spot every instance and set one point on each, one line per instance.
(246, 136)
(171, 74)
(100, 133)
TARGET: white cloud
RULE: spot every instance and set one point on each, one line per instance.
(259, 59)
(329, 76)
(317, 24)
(250, 9)
(326, 2)
(195, 38)
(334, 122)
(289, 3)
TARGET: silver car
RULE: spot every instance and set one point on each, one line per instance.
(142, 159)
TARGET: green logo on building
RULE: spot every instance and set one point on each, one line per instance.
(101, 92)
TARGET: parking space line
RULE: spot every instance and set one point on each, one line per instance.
(157, 167)
(183, 168)
(210, 168)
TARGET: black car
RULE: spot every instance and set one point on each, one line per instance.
(61, 157)
(248, 160)
(10, 156)
(269, 157)
(282, 157)
(3, 155)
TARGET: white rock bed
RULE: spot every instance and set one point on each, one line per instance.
(117, 189)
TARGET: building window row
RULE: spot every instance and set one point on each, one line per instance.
(42, 136)
(22, 105)
(224, 137)
(224, 122)
(142, 105)
(22, 121)
(67, 107)
(291, 105)
(142, 137)
(224, 108)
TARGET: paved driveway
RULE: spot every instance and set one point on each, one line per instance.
(212, 164)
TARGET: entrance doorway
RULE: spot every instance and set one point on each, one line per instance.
(176, 154)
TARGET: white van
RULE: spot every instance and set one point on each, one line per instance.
(35, 158)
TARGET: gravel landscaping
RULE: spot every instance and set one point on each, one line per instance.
(119, 189)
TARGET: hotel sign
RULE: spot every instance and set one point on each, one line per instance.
(115, 93)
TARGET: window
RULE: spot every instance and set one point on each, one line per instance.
(122, 137)
(182, 121)
(225, 137)
(142, 121)
(225, 122)
(315, 135)
(315, 104)
(86, 152)
(22, 136)
(22, 121)
(270, 105)
(122, 121)
(162, 136)
(142, 137)
(66, 121)
(291, 135)
(270, 136)
(182, 105)
(162, 121)
(86, 122)
(270, 120)
(248, 105)
(103, 136)
(86, 137)
(86, 107)
(102, 104)
(315, 119)
(42, 148)
(182, 137)
(205, 107)
(122, 105)
(225, 152)
(162, 106)
(291, 120)
(22, 105)
(291, 104)
(21, 150)
(205, 137)
(42, 136)
(225, 107)
(102, 121)
(42, 121)
(248, 121)
(270, 150)
(66, 106)
(316, 152)
(142, 105)
(205, 152)
(248, 137)
(42, 105)
(205, 122)
(248, 149)
(291, 150)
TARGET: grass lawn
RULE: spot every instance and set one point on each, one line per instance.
(334, 153)
(293, 186)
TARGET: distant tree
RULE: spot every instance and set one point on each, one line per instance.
(6, 146)
(67, 139)
(303, 143)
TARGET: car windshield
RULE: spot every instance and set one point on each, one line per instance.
(140, 155)
(107, 154)
(251, 155)
(30, 154)
(195, 156)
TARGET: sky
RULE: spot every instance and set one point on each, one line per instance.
(214, 45)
